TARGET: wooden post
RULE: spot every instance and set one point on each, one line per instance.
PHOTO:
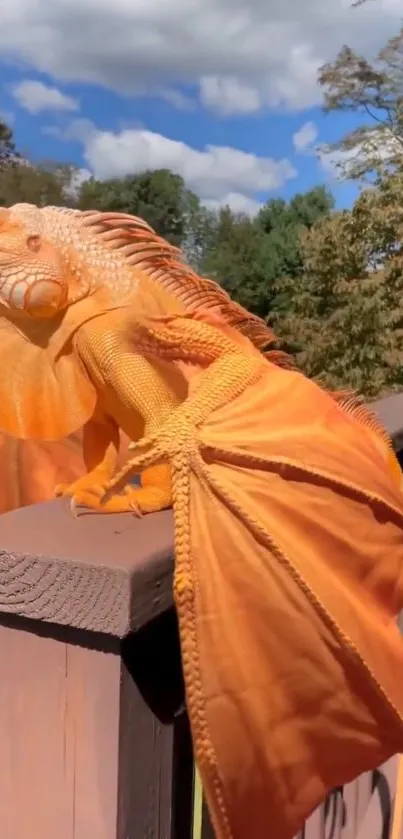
(92, 729)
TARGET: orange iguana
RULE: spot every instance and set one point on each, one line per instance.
(67, 278)
(288, 578)
(287, 503)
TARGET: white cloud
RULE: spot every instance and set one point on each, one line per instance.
(53, 131)
(80, 129)
(238, 203)
(304, 138)
(228, 95)
(220, 175)
(36, 97)
(178, 99)
(78, 177)
(238, 55)
(217, 173)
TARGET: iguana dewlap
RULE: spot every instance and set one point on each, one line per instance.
(288, 580)
(68, 280)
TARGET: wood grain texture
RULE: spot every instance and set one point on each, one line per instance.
(88, 734)
(105, 573)
(152, 711)
(59, 719)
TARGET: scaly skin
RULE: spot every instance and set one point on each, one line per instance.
(203, 340)
(227, 369)
(278, 516)
(132, 396)
(71, 283)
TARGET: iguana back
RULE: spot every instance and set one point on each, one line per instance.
(88, 252)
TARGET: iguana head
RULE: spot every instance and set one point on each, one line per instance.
(51, 257)
(32, 275)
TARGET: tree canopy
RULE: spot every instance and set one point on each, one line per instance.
(160, 197)
(345, 316)
(373, 89)
(8, 152)
(42, 184)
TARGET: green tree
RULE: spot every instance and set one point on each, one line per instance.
(283, 224)
(345, 319)
(374, 90)
(201, 229)
(23, 181)
(248, 257)
(160, 197)
(36, 184)
(8, 152)
(236, 256)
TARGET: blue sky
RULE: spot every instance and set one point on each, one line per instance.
(222, 106)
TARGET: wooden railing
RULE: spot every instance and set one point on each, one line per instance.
(94, 737)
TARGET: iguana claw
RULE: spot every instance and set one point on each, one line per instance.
(136, 500)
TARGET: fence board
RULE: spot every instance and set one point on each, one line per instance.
(350, 801)
(334, 812)
(315, 825)
(377, 819)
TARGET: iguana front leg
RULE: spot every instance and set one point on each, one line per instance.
(136, 396)
(231, 369)
(100, 453)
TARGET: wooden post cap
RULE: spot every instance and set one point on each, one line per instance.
(99, 572)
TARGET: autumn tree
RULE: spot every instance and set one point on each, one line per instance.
(345, 319)
(373, 89)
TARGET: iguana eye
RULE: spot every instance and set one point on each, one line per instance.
(33, 242)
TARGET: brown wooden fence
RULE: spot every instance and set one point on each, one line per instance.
(94, 736)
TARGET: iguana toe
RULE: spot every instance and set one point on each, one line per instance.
(139, 500)
(84, 485)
